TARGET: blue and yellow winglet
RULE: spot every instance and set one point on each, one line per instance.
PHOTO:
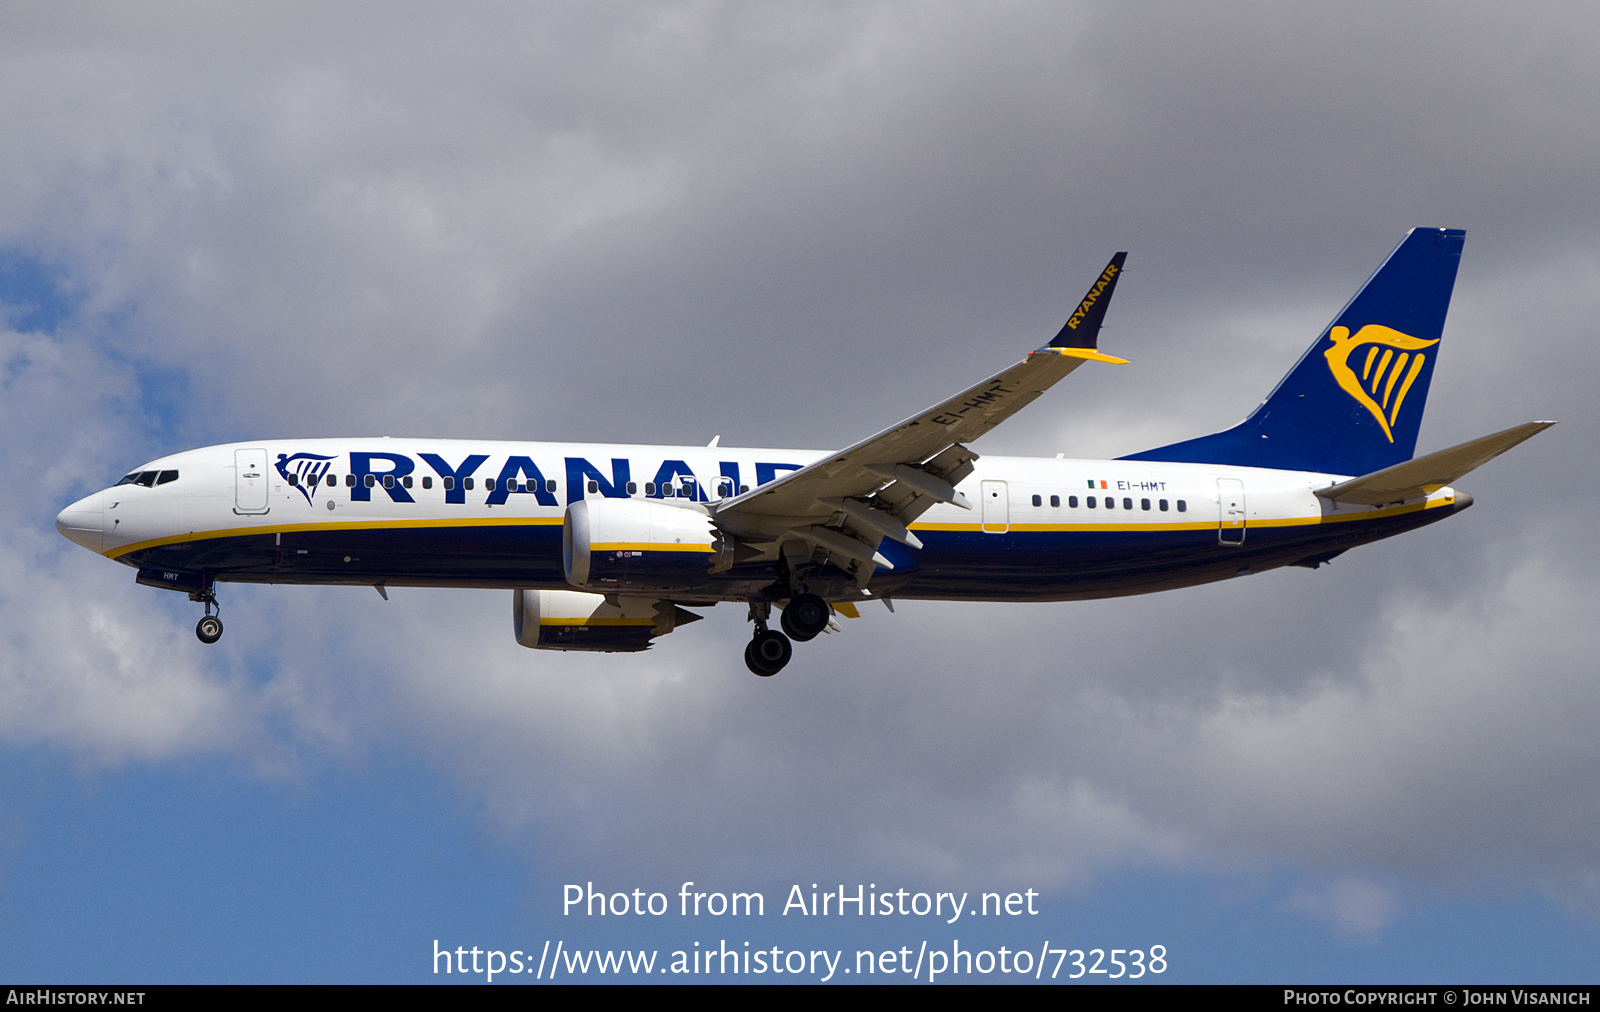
(1080, 334)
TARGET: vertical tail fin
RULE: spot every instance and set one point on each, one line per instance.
(1353, 403)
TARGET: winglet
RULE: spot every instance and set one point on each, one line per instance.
(1082, 329)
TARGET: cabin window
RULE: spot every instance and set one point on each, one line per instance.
(1111, 502)
(333, 480)
(1090, 501)
(1055, 502)
(633, 488)
(1163, 505)
(724, 488)
(1072, 501)
(1144, 504)
(166, 476)
(349, 481)
(649, 488)
(1127, 504)
(549, 484)
(294, 479)
(427, 482)
(488, 484)
(448, 481)
(369, 480)
(1183, 507)
(594, 486)
(1038, 501)
(406, 481)
(388, 481)
(467, 483)
(511, 484)
(743, 489)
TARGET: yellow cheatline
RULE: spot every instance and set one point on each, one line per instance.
(846, 609)
(646, 546)
(356, 525)
(1200, 525)
(234, 532)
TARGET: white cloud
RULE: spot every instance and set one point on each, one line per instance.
(1355, 909)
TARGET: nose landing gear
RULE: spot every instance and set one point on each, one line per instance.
(209, 629)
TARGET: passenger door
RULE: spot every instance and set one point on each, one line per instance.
(996, 508)
(1230, 511)
(250, 481)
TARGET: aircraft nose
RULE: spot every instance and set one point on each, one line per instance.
(82, 523)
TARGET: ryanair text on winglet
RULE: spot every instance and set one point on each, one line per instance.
(1093, 297)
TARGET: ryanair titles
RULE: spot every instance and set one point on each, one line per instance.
(1093, 297)
(399, 475)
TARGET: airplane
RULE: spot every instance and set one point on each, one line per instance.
(607, 547)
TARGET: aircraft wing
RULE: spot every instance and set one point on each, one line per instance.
(848, 501)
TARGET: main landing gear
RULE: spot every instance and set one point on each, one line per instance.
(805, 617)
(209, 629)
(769, 650)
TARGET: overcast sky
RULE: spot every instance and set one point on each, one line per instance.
(791, 225)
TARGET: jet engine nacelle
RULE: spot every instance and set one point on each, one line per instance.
(572, 620)
(638, 544)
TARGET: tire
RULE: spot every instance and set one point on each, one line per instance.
(751, 662)
(805, 617)
(768, 653)
(209, 629)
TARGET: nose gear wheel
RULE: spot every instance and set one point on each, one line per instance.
(209, 629)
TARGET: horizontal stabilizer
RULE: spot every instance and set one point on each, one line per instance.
(1414, 479)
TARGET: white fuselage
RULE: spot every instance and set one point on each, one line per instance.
(427, 512)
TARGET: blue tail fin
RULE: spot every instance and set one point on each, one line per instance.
(1353, 403)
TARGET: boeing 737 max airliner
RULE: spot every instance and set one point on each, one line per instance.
(606, 547)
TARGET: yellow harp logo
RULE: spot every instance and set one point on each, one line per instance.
(1382, 368)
